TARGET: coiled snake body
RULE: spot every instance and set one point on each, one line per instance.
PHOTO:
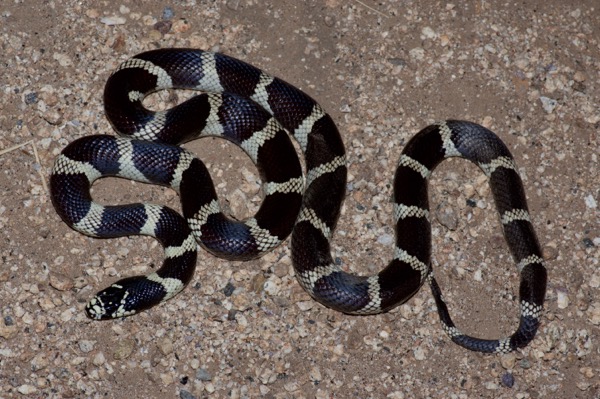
(243, 104)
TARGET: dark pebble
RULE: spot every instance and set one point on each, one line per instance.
(203, 375)
(588, 243)
(168, 13)
(228, 290)
(398, 61)
(183, 394)
(31, 98)
(525, 364)
(163, 27)
(508, 380)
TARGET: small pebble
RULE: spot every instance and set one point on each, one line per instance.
(163, 26)
(86, 346)
(548, 104)
(181, 26)
(385, 239)
(115, 20)
(168, 13)
(166, 379)
(594, 313)
(428, 33)
(419, 353)
(315, 374)
(508, 361)
(271, 287)
(588, 242)
(203, 375)
(39, 362)
(31, 98)
(525, 364)
(99, 359)
(60, 282)
(447, 218)
(562, 299)
(508, 380)
(590, 202)
(166, 346)
(305, 305)
(233, 4)
(228, 289)
(124, 349)
(27, 389)
(183, 394)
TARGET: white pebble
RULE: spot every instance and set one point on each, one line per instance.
(166, 379)
(291, 386)
(590, 202)
(419, 353)
(338, 350)
(428, 33)
(595, 280)
(113, 20)
(66, 315)
(562, 299)
(315, 374)
(210, 388)
(548, 104)
(86, 346)
(385, 239)
(264, 389)
(27, 389)
(39, 362)
(594, 314)
(63, 59)
(99, 359)
(417, 53)
(395, 395)
(271, 287)
(166, 346)
(305, 305)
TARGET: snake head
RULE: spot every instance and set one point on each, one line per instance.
(110, 303)
(124, 298)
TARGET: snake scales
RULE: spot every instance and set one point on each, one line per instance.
(254, 110)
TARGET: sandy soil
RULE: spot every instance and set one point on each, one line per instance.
(384, 69)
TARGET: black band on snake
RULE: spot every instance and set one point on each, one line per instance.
(243, 104)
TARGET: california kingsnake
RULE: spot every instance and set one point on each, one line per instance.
(243, 104)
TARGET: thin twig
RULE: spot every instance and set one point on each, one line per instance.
(372, 9)
(35, 154)
(37, 159)
(15, 147)
(357, 99)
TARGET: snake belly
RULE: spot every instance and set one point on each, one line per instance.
(243, 104)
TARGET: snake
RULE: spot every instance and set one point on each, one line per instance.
(259, 112)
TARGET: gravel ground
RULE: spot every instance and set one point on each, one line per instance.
(384, 69)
